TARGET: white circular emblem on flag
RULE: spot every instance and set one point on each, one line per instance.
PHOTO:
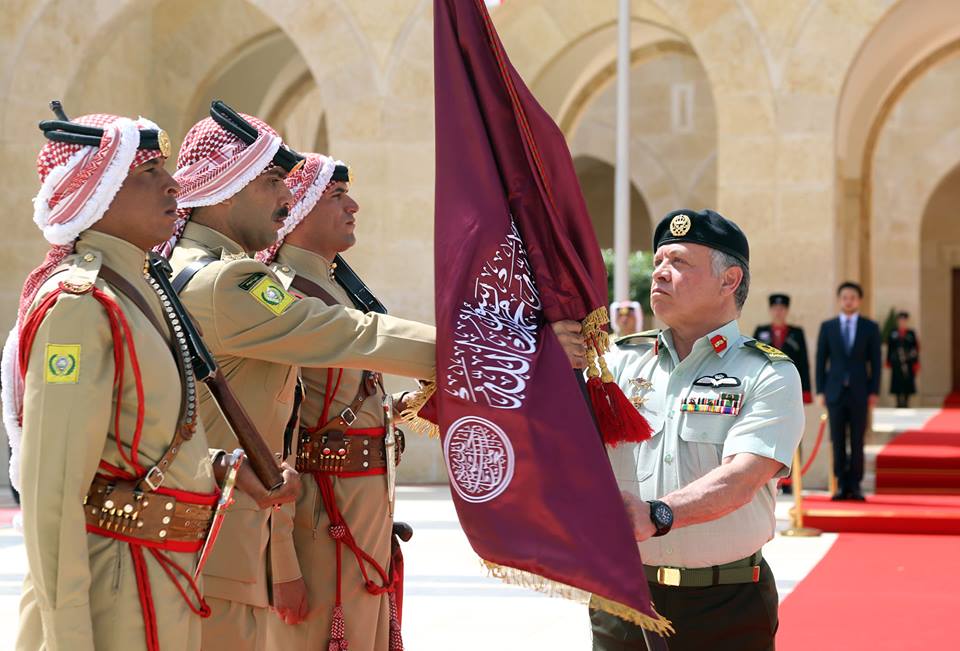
(479, 459)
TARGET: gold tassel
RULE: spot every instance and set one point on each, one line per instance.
(409, 417)
(659, 625)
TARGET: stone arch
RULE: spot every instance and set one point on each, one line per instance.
(596, 178)
(911, 39)
(939, 258)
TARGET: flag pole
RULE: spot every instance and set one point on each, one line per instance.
(621, 194)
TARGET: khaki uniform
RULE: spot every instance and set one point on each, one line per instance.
(80, 592)
(260, 334)
(363, 502)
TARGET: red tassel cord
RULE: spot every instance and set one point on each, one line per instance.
(618, 420)
(342, 537)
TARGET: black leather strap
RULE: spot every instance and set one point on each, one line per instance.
(356, 289)
(187, 273)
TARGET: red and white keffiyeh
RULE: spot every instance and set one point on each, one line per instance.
(214, 165)
(78, 184)
(306, 185)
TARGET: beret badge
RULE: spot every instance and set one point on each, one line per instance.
(680, 225)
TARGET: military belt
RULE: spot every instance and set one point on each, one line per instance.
(173, 520)
(348, 453)
(745, 570)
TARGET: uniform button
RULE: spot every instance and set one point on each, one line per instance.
(668, 457)
(669, 550)
(89, 257)
(285, 269)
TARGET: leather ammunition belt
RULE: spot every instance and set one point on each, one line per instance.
(745, 570)
(168, 519)
(350, 453)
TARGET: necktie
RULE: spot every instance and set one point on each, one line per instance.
(848, 334)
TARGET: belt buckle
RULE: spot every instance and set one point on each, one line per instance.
(668, 576)
(348, 416)
(149, 480)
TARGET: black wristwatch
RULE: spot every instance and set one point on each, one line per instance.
(661, 515)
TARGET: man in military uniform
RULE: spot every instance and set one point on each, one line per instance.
(116, 476)
(903, 359)
(787, 338)
(726, 415)
(627, 317)
(231, 170)
(343, 410)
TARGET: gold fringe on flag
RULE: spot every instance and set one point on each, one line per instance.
(592, 328)
(410, 418)
(660, 625)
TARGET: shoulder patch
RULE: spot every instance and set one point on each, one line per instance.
(771, 353)
(268, 292)
(63, 364)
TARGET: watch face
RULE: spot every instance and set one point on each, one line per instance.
(662, 515)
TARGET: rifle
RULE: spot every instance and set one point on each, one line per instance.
(259, 456)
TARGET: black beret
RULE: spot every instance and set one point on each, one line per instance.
(706, 227)
(779, 299)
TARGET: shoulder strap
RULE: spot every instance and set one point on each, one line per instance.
(356, 289)
(185, 431)
(311, 288)
(771, 353)
(187, 273)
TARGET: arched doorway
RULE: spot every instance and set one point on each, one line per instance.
(596, 181)
(940, 290)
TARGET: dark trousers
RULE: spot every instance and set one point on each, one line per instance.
(903, 400)
(848, 422)
(740, 617)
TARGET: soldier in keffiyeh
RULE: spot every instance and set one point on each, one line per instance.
(114, 472)
(347, 449)
(231, 170)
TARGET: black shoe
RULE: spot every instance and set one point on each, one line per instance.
(787, 489)
(838, 497)
(856, 496)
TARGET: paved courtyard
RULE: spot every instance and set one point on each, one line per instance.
(450, 603)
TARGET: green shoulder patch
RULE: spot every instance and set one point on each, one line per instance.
(637, 338)
(771, 353)
(269, 293)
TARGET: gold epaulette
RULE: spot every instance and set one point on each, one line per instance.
(771, 353)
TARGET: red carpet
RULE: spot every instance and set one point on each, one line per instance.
(952, 400)
(902, 514)
(878, 593)
(925, 460)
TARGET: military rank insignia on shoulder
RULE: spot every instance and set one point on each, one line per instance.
(268, 292)
(63, 364)
(771, 353)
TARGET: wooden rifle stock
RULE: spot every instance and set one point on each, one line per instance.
(259, 456)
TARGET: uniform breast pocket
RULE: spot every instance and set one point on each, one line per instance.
(703, 436)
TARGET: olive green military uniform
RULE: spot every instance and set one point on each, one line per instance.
(259, 334)
(80, 592)
(363, 503)
(746, 398)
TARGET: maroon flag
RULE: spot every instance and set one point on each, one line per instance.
(514, 250)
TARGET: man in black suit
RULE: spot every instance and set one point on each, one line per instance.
(848, 381)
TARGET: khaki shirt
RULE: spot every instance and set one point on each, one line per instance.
(68, 427)
(293, 261)
(688, 444)
(259, 334)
